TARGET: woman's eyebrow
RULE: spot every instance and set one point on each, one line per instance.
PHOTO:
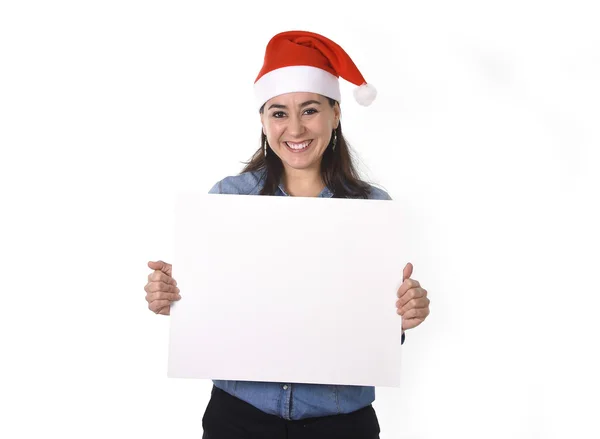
(304, 104)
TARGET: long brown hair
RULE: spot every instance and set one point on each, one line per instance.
(338, 170)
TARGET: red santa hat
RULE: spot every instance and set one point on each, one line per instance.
(299, 61)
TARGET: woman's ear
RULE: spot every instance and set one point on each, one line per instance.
(263, 123)
(337, 111)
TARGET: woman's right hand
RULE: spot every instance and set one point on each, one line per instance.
(161, 288)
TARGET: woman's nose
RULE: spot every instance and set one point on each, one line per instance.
(295, 126)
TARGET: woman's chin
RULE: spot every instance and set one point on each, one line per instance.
(301, 164)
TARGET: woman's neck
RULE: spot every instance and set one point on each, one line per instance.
(303, 183)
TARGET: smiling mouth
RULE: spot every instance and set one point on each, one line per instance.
(298, 147)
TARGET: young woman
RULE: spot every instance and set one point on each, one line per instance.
(302, 153)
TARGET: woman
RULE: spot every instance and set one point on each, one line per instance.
(303, 153)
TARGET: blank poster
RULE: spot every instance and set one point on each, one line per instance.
(287, 289)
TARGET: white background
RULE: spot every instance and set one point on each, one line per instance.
(486, 125)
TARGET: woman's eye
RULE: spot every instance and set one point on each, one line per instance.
(280, 114)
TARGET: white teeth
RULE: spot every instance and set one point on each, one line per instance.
(298, 145)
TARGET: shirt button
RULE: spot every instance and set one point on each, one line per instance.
(285, 387)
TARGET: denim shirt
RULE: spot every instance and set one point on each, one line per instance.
(293, 401)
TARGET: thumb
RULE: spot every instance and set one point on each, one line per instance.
(161, 266)
(407, 271)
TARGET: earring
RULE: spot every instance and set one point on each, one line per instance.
(265, 146)
(334, 139)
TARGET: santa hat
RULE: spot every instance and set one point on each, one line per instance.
(299, 61)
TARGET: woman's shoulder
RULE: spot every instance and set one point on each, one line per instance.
(251, 183)
(246, 183)
(376, 193)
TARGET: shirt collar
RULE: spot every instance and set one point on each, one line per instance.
(325, 193)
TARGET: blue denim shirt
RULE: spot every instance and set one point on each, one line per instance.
(293, 401)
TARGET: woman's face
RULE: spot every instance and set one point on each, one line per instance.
(299, 127)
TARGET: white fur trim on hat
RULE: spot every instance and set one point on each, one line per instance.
(296, 79)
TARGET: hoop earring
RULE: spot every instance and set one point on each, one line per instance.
(334, 139)
(265, 146)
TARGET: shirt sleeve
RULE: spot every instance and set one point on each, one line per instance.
(216, 189)
(379, 194)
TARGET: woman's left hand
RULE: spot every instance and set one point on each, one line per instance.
(412, 303)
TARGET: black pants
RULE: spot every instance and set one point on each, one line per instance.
(228, 417)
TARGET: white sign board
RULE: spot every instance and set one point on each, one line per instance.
(287, 289)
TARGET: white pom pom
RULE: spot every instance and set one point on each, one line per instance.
(365, 94)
